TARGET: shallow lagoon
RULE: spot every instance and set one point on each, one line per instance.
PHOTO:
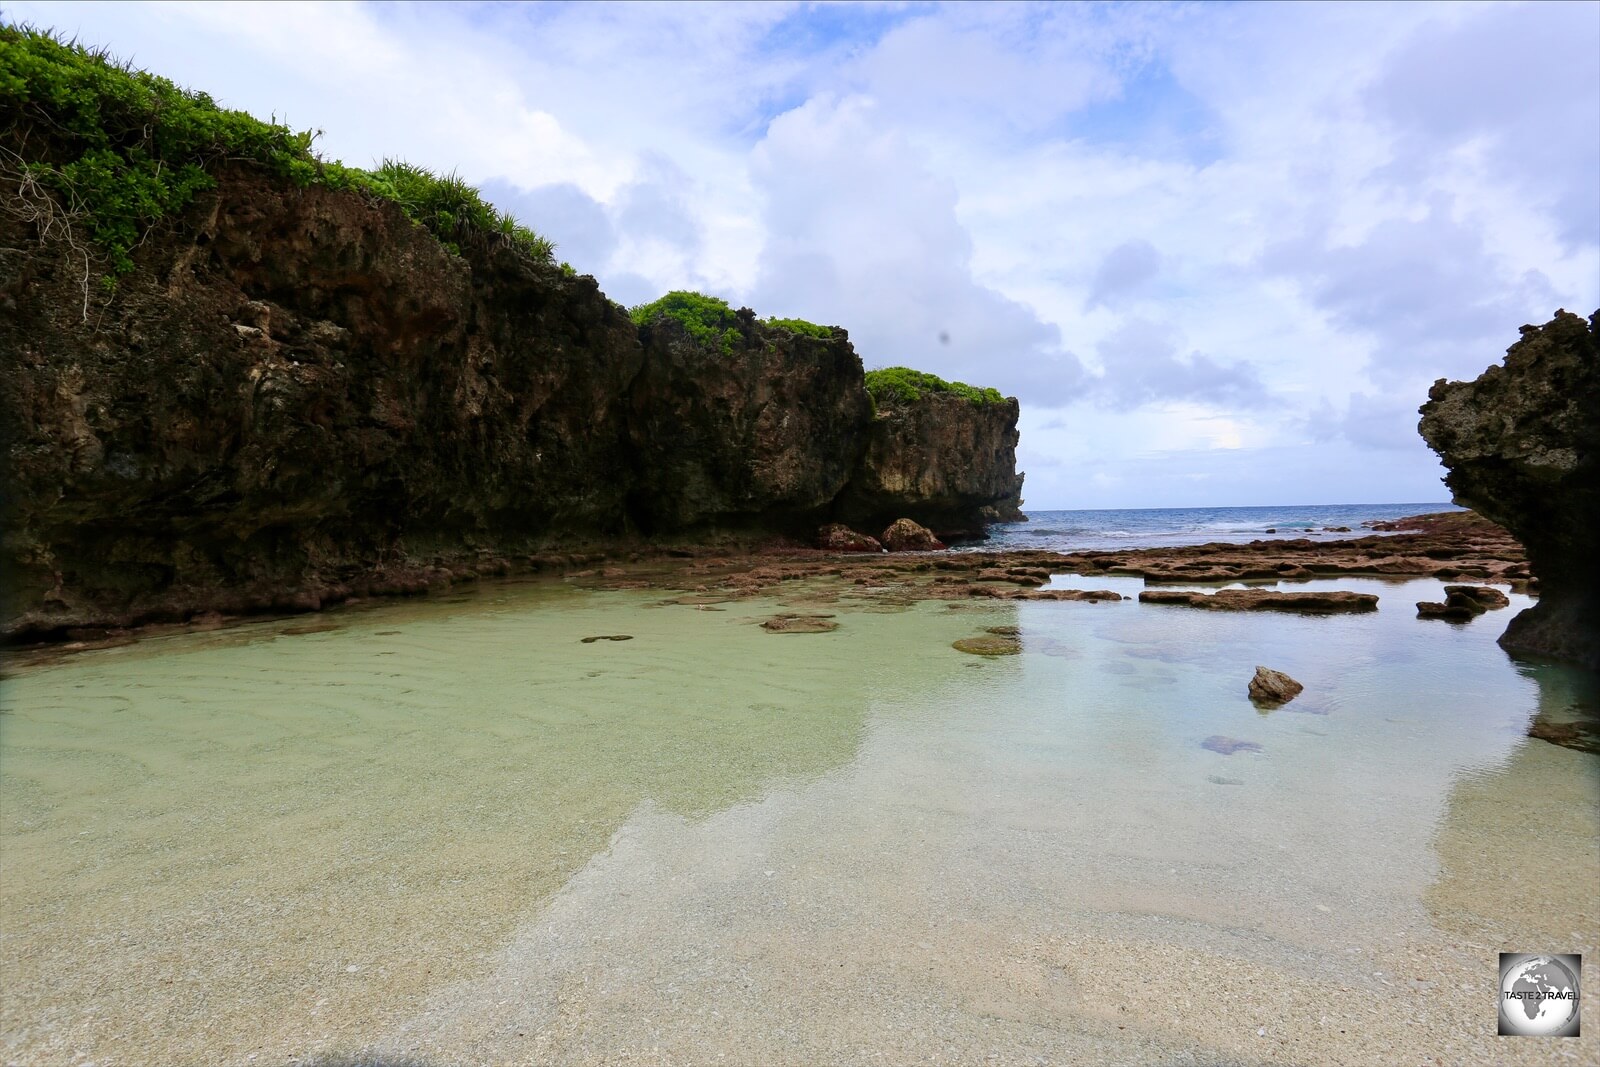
(449, 831)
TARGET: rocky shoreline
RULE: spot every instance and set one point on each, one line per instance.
(1452, 546)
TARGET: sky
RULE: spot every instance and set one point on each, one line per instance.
(1218, 252)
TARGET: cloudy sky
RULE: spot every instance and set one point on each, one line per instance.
(1219, 252)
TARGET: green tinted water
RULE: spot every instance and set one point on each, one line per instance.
(451, 831)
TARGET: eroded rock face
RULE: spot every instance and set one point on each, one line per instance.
(297, 386)
(300, 396)
(762, 437)
(943, 460)
(1521, 443)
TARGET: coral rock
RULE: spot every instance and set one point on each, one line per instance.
(1273, 688)
(837, 537)
(904, 535)
(1329, 603)
(1522, 446)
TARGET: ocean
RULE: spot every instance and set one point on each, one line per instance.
(1075, 531)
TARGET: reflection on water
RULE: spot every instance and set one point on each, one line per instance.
(455, 831)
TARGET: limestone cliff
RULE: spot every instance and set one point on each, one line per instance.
(298, 395)
(758, 433)
(945, 460)
(1522, 444)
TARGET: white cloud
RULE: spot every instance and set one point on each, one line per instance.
(1265, 227)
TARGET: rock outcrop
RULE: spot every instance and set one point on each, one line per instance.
(837, 537)
(944, 460)
(299, 395)
(1271, 689)
(907, 535)
(1522, 446)
(1463, 603)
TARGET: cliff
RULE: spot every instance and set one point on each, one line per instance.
(758, 429)
(294, 383)
(945, 460)
(1522, 445)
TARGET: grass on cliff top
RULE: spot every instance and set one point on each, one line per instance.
(802, 327)
(902, 385)
(708, 319)
(712, 320)
(101, 146)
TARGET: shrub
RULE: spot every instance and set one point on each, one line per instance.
(708, 319)
(801, 326)
(902, 385)
(121, 149)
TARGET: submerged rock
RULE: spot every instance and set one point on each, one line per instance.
(1579, 736)
(1306, 603)
(800, 624)
(988, 645)
(607, 637)
(1522, 445)
(1273, 688)
(1229, 745)
(905, 535)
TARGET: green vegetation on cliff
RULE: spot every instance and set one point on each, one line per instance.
(98, 145)
(893, 385)
(712, 320)
(708, 319)
(802, 327)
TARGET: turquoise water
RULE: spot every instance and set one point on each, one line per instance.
(1070, 531)
(448, 831)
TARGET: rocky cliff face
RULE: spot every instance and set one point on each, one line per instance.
(1522, 444)
(944, 460)
(300, 395)
(295, 387)
(760, 437)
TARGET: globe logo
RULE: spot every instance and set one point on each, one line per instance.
(1539, 995)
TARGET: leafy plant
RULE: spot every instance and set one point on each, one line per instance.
(902, 385)
(121, 149)
(708, 319)
(801, 326)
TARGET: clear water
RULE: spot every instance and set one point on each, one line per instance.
(1069, 531)
(448, 831)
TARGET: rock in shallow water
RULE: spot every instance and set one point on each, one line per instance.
(1092, 595)
(1462, 603)
(800, 624)
(988, 645)
(1485, 596)
(1229, 745)
(1273, 688)
(1329, 603)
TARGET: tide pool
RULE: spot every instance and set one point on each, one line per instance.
(449, 831)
